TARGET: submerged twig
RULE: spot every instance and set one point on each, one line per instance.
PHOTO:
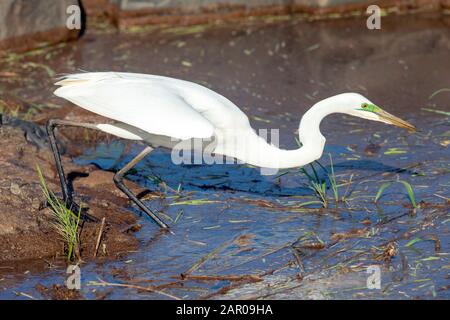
(132, 286)
(208, 256)
(249, 277)
(99, 237)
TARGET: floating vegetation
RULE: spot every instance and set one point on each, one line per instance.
(313, 47)
(408, 189)
(412, 242)
(445, 113)
(392, 151)
(101, 283)
(194, 202)
(438, 91)
(65, 221)
(187, 64)
(308, 203)
(260, 119)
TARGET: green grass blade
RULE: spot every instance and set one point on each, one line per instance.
(383, 187)
(437, 92)
(445, 113)
(332, 179)
(310, 178)
(66, 223)
(321, 166)
(408, 189)
(194, 202)
(413, 241)
(410, 192)
(307, 203)
(316, 176)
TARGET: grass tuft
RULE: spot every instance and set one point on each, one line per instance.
(65, 222)
(319, 186)
(316, 184)
(408, 189)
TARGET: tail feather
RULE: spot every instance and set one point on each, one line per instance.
(81, 78)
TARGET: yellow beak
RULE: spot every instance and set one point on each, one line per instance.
(391, 119)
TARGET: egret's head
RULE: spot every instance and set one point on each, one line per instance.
(361, 107)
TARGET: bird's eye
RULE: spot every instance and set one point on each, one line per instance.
(364, 105)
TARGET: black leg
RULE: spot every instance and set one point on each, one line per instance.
(118, 177)
(67, 194)
(118, 180)
(51, 125)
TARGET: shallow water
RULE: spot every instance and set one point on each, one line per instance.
(242, 223)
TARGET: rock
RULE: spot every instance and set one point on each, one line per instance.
(15, 189)
(25, 24)
(96, 8)
(128, 13)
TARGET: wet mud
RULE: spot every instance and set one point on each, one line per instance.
(26, 230)
(238, 234)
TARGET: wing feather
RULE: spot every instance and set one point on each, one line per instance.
(148, 105)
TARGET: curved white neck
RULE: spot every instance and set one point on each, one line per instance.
(254, 150)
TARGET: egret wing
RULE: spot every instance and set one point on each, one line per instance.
(146, 105)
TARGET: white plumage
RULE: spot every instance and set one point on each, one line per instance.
(155, 104)
(158, 109)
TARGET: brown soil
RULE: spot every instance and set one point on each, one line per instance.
(38, 39)
(25, 229)
(58, 292)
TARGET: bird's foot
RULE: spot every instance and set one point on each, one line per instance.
(72, 206)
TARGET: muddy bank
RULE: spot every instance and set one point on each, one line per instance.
(25, 228)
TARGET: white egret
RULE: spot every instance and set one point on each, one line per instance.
(159, 110)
